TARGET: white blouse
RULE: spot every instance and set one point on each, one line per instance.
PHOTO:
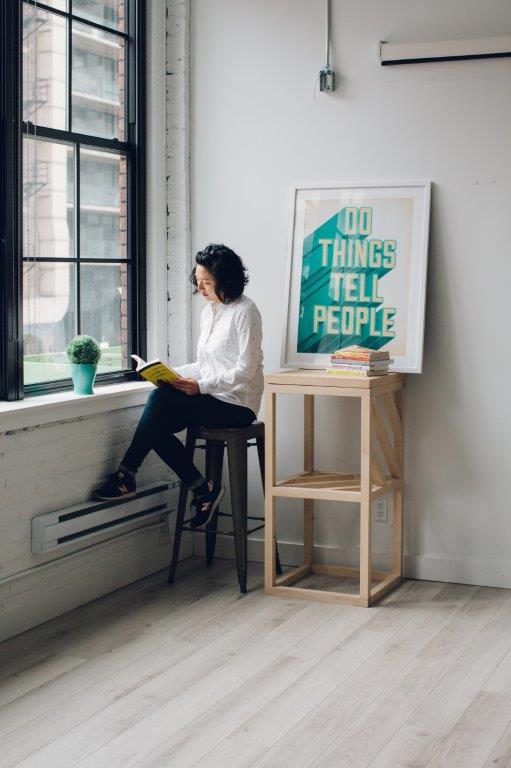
(229, 361)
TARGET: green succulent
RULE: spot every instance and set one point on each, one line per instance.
(83, 349)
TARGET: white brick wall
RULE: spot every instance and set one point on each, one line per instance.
(54, 466)
(177, 92)
(51, 467)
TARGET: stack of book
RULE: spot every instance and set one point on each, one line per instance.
(359, 361)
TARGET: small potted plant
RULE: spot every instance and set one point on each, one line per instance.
(83, 353)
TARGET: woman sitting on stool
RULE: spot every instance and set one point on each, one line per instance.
(222, 388)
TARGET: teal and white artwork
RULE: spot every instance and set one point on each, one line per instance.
(357, 272)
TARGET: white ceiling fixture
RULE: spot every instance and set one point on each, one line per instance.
(444, 50)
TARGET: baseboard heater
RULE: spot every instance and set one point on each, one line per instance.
(85, 522)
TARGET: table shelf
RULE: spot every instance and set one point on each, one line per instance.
(286, 585)
(330, 486)
(381, 471)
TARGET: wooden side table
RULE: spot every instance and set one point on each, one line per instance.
(378, 395)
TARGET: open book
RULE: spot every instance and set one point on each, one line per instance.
(155, 371)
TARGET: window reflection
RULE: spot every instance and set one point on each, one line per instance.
(44, 68)
(98, 82)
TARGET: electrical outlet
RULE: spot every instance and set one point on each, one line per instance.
(381, 510)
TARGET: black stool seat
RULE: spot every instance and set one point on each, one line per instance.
(237, 441)
(254, 430)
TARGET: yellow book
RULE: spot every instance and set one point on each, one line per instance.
(155, 371)
(342, 372)
(354, 352)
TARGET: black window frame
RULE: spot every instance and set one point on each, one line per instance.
(12, 130)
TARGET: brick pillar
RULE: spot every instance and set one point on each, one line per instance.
(177, 87)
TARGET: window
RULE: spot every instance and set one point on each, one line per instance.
(74, 157)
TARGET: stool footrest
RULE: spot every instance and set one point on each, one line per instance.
(249, 517)
(219, 533)
(204, 447)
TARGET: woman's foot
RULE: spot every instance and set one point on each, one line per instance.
(120, 485)
(206, 504)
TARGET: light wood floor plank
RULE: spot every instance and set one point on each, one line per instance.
(482, 723)
(177, 703)
(258, 734)
(254, 670)
(182, 610)
(232, 711)
(501, 755)
(102, 624)
(198, 675)
(472, 648)
(36, 675)
(369, 733)
(118, 674)
(334, 716)
(57, 736)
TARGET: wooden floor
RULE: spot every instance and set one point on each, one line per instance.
(197, 675)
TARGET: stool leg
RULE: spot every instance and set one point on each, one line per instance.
(181, 509)
(237, 456)
(214, 466)
(260, 455)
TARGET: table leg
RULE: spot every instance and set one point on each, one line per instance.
(308, 466)
(365, 501)
(270, 529)
(397, 533)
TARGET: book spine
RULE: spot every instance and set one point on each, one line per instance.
(347, 367)
(355, 372)
(359, 358)
(339, 372)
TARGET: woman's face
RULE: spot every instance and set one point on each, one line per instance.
(205, 283)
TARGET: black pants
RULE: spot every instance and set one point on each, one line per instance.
(169, 410)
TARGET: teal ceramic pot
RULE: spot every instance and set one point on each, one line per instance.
(83, 375)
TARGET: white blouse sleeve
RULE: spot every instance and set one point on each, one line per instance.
(193, 370)
(188, 370)
(249, 330)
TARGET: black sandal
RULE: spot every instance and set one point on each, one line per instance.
(204, 516)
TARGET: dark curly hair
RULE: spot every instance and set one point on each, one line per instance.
(227, 268)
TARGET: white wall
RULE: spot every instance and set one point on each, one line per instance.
(259, 125)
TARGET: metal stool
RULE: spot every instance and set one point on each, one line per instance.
(236, 441)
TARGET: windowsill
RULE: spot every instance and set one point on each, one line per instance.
(62, 406)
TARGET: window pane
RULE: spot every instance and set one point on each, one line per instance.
(103, 205)
(60, 5)
(44, 68)
(110, 13)
(48, 199)
(104, 311)
(98, 90)
(49, 319)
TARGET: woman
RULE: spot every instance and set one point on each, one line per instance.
(222, 388)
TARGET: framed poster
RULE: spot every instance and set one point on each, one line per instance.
(356, 272)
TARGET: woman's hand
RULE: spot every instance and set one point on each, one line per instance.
(188, 386)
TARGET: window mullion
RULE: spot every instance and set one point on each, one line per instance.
(77, 238)
(57, 134)
(11, 321)
(70, 67)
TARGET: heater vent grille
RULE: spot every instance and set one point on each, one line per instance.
(84, 522)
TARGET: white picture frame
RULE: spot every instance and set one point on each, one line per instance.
(330, 278)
